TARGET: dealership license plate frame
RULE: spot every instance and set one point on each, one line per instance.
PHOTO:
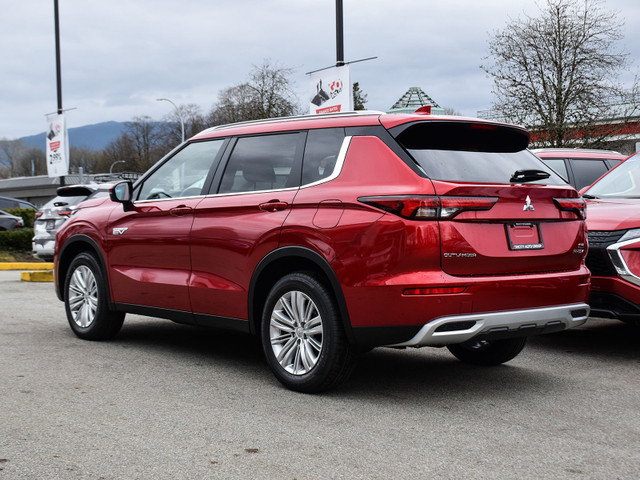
(520, 233)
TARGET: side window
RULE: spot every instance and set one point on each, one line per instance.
(587, 171)
(184, 174)
(321, 153)
(558, 165)
(612, 163)
(267, 162)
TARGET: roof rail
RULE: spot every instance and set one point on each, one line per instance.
(292, 118)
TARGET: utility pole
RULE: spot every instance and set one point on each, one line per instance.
(339, 35)
(58, 65)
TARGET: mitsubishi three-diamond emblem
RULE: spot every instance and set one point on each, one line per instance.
(527, 205)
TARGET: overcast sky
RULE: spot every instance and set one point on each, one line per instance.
(118, 56)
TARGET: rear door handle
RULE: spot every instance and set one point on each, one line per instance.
(180, 210)
(273, 206)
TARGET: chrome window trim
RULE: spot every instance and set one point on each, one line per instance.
(337, 170)
(342, 154)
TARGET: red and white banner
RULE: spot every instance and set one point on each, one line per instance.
(331, 91)
(57, 146)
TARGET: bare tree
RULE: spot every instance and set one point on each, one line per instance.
(23, 161)
(267, 94)
(12, 150)
(145, 138)
(85, 158)
(557, 73)
(194, 122)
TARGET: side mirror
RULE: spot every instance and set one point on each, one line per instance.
(122, 193)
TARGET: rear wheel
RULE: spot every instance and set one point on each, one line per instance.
(488, 352)
(85, 300)
(302, 335)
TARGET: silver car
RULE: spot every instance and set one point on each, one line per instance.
(9, 222)
(55, 212)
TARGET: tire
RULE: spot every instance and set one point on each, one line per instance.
(488, 352)
(85, 301)
(302, 335)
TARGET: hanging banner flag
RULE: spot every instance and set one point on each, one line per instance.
(331, 90)
(57, 146)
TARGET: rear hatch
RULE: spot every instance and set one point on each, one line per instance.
(500, 209)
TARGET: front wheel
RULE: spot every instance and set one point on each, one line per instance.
(85, 301)
(302, 335)
(488, 352)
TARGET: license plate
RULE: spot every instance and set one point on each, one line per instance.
(51, 224)
(524, 236)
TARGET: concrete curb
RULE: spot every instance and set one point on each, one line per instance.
(26, 266)
(37, 276)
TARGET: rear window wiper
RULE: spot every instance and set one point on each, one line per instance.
(586, 195)
(521, 176)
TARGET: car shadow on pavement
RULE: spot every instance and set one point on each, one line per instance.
(384, 373)
(158, 334)
(599, 337)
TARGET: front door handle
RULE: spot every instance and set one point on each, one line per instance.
(273, 206)
(181, 211)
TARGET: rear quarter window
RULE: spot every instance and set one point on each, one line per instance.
(469, 152)
(587, 171)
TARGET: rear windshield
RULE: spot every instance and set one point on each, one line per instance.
(469, 152)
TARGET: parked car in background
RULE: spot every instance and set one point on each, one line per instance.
(56, 211)
(9, 202)
(579, 167)
(613, 219)
(329, 235)
(9, 222)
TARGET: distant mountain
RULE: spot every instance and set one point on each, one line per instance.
(94, 137)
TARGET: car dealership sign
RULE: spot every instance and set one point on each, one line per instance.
(57, 146)
(331, 90)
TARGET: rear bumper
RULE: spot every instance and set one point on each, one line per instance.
(514, 323)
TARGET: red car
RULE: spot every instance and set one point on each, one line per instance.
(330, 235)
(580, 166)
(613, 205)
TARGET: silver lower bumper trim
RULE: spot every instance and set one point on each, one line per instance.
(460, 328)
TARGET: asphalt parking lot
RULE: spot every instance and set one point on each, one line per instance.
(166, 401)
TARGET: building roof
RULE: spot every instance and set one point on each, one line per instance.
(413, 99)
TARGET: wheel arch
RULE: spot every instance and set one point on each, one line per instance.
(287, 260)
(72, 248)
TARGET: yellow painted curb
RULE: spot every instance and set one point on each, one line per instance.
(26, 266)
(38, 276)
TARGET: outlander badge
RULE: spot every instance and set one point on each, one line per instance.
(527, 205)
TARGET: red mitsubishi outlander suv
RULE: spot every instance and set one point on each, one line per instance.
(330, 235)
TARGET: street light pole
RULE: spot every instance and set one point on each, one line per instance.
(177, 110)
(115, 163)
(339, 34)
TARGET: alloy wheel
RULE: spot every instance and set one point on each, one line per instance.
(83, 296)
(296, 332)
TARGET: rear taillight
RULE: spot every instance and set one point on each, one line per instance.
(429, 207)
(575, 205)
(38, 214)
(65, 213)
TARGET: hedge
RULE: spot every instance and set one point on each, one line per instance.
(27, 214)
(18, 239)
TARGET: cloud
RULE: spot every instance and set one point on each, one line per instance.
(119, 56)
